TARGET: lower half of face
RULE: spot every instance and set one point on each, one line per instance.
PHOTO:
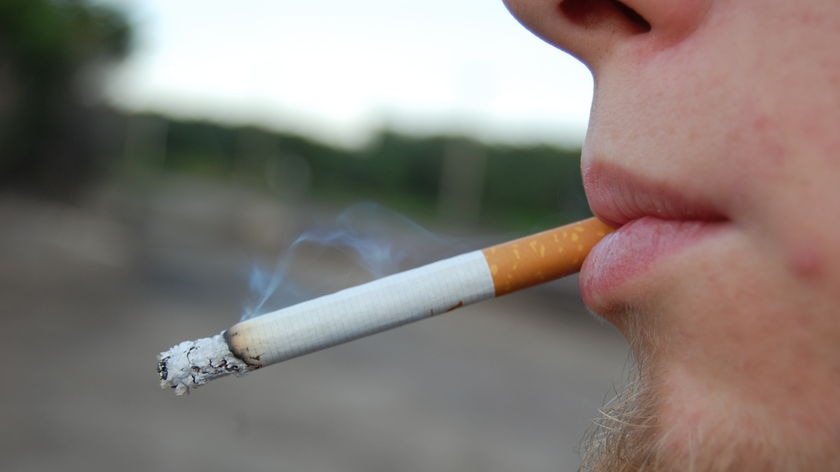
(725, 276)
(738, 364)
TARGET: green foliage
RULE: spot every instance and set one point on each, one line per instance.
(50, 136)
(389, 167)
(535, 183)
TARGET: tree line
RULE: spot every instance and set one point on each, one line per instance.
(457, 177)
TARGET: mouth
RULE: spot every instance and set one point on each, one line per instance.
(656, 221)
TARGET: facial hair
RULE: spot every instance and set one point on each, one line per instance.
(632, 435)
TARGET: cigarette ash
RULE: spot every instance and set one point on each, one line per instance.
(377, 240)
(194, 363)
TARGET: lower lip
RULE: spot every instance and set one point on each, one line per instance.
(632, 250)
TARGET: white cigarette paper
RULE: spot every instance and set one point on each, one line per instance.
(379, 305)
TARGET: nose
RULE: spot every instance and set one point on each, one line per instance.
(586, 29)
(591, 30)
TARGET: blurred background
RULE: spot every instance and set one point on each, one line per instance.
(152, 153)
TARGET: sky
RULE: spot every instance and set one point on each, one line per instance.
(339, 70)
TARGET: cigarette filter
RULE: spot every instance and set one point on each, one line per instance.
(383, 304)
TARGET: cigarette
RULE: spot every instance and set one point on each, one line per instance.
(380, 305)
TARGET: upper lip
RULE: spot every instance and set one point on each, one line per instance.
(618, 196)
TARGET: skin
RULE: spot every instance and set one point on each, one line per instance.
(732, 109)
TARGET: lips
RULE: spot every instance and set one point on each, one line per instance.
(618, 196)
(655, 221)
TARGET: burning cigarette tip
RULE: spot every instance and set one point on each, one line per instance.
(194, 363)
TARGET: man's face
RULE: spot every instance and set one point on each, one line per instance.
(714, 143)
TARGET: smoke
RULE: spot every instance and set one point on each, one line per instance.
(366, 242)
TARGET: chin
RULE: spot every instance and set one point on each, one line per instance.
(665, 420)
(701, 398)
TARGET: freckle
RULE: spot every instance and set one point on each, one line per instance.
(806, 263)
(761, 122)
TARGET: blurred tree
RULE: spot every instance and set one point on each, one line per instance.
(52, 52)
(454, 177)
(536, 184)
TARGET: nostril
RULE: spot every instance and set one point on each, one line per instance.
(593, 13)
(583, 12)
(632, 16)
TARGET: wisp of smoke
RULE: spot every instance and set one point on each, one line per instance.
(373, 238)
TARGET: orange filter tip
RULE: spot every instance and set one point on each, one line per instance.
(543, 256)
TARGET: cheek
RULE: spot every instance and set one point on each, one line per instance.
(807, 263)
(787, 195)
(753, 329)
(757, 165)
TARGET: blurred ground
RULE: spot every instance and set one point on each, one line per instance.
(89, 295)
